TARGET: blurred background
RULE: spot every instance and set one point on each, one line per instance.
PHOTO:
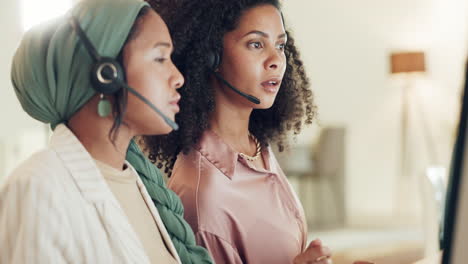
(387, 77)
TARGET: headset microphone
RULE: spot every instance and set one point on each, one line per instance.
(168, 121)
(214, 60)
(108, 76)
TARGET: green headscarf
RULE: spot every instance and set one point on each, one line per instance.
(51, 68)
(50, 74)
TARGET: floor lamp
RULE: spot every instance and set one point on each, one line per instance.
(406, 64)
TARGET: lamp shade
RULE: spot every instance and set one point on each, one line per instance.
(406, 62)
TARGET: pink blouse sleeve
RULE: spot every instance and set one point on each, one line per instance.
(221, 250)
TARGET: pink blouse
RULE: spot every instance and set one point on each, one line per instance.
(239, 213)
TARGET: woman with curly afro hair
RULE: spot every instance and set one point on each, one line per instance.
(236, 197)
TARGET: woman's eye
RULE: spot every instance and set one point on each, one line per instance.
(160, 60)
(281, 46)
(256, 45)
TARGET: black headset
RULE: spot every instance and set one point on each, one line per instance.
(107, 75)
(213, 59)
(212, 62)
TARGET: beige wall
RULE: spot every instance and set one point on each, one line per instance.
(20, 135)
(345, 45)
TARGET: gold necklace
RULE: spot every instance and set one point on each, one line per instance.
(257, 153)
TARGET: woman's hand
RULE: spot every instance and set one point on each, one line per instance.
(315, 253)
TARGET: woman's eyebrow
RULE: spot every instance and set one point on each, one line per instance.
(162, 44)
(263, 34)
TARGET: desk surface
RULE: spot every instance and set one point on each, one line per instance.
(436, 259)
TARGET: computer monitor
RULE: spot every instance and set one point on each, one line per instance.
(455, 228)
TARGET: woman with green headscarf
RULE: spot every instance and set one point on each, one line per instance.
(81, 199)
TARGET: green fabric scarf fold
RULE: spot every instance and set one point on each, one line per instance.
(170, 208)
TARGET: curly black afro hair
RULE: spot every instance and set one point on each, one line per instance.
(197, 26)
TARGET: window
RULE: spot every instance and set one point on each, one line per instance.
(34, 12)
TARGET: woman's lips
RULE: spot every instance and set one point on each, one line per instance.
(271, 85)
(175, 105)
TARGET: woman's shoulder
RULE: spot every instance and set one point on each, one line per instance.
(38, 173)
(194, 167)
(36, 198)
(187, 161)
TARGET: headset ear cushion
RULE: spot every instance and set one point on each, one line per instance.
(104, 76)
(214, 60)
